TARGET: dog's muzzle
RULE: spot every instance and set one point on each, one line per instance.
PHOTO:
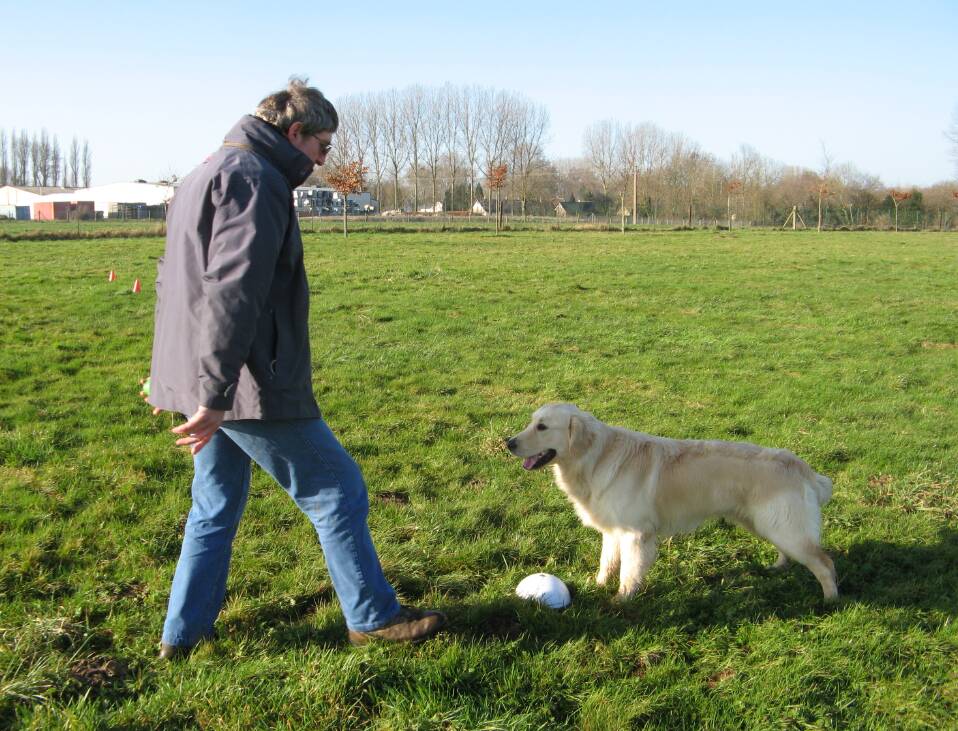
(535, 461)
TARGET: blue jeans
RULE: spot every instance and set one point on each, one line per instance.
(307, 460)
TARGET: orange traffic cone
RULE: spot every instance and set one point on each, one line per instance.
(112, 276)
(136, 287)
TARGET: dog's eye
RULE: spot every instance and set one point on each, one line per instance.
(541, 427)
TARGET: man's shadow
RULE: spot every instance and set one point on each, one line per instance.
(872, 573)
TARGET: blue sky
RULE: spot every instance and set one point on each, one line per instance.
(154, 87)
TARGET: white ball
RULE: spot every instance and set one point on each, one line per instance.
(545, 589)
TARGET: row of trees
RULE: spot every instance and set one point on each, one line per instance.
(422, 145)
(651, 173)
(424, 142)
(37, 159)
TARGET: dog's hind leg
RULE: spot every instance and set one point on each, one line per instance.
(638, 554)
(817, 561)
(780, 563)
(794, 543)
(609, 560)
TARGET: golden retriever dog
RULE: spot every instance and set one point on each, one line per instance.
(635, 488)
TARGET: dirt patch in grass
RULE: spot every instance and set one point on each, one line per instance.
(99, 672)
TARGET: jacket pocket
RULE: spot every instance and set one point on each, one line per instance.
(274, 350)
(263, 360)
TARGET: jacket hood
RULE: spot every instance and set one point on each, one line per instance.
(267, 141)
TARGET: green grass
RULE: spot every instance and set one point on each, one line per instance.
(428, 349)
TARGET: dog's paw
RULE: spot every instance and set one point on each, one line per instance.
(624, 595)
(601, 579)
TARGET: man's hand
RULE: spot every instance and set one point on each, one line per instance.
(199, 429)
(145, 396)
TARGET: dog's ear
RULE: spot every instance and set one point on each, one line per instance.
(580, 437)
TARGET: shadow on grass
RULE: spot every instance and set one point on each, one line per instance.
(905, 575)
(871, 573)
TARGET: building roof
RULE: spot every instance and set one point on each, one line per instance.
(152, 194)
(577, 206)
(45, 189)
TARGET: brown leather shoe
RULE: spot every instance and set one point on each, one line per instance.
(410, 625)
(173, 652)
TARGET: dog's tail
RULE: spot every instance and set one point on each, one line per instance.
(823, 488)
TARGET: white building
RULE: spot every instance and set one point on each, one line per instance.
(13, 196)
(477, 207)
(108, 200)
(114, 199)
(436, 207)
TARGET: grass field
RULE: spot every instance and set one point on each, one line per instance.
(428, 350)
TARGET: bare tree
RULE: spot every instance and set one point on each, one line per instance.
(432, 136)
(688, 164)
(55, 162)
(23, 157)
(36, 163)
(372, 109)
(74, 163)
(13, 176)
(731, 188)
(87, 164)
(530, 122)
(650, 153)
(4, 164)
(395, 139)
(344, 148)
(952, 134)
(495, 132)
(45, 150)
(451, 130)
(412, 110)
(470, 120)
(600, 151)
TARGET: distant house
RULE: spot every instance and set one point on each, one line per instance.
(434, 208)
(356, 202)
(479, 209)
(312, 200)
(45, 210)
(579, 209)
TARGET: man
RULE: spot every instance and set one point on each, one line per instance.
(231, 348)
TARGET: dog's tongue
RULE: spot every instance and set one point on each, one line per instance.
(529, 461)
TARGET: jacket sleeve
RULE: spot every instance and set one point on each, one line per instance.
(248, 229)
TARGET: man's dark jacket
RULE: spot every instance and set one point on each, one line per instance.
(232, 298)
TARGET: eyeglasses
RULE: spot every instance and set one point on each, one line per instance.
(323, 146)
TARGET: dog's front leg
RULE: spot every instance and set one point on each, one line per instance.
(638, 553)
(609, 560)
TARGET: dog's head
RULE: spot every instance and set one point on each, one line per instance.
(555, 432)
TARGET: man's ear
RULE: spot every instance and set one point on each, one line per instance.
(580, 438)
(294, 131)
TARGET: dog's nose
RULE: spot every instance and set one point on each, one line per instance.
(511, 443)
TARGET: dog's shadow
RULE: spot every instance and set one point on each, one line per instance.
(872, 573)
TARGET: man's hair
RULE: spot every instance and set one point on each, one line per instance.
(299, 103)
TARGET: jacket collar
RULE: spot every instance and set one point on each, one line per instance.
(267, 141)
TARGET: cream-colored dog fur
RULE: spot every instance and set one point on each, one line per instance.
(635, 489)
